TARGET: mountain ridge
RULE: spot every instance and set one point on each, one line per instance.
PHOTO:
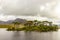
(16, 20)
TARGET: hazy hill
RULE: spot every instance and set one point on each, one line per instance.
(10, 21)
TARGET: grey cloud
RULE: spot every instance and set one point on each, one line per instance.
(26, 7)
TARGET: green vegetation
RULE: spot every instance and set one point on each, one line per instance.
(41, 26)
(41, 29)
(4, 26)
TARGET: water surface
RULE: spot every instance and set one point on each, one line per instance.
(21, 35)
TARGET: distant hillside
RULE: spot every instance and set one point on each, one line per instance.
(20, 20)
(2, 22)
(16, 20)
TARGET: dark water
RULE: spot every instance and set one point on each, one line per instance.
(10, 35)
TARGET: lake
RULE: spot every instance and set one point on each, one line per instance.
(21, 35)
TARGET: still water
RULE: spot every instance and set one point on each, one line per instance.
(10, 35)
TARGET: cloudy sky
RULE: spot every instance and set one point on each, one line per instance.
(30, 10)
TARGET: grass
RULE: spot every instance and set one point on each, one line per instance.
(5, 26)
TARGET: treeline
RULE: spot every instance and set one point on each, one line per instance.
(42, 26)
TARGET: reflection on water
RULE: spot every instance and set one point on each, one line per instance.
(10, 35)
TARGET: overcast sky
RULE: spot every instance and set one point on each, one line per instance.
(30, 9)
